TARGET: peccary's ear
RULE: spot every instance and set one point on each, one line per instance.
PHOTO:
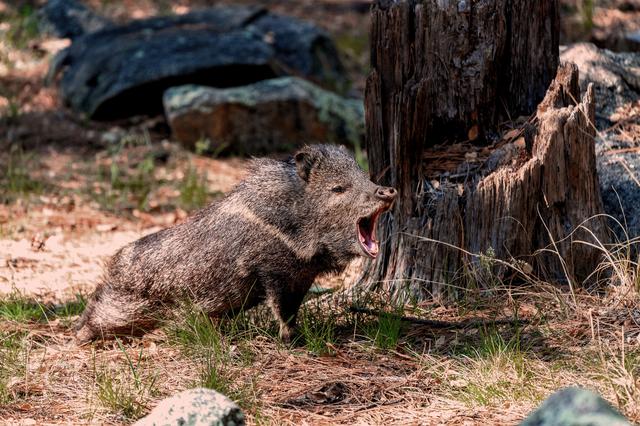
(306, 158)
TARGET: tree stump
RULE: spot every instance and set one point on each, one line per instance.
(452, 124)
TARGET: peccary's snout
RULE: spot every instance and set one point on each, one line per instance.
(385, 193)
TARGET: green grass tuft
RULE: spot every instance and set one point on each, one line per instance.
(193, 190)
(493, 344)
(318, 330)
(587, 8)
(128, 181)
(72, 307)
(13, 361)
(218, 347)
(386, 330)
(196, 332)
(499, 369)
(17, 181)
(138, 184)
(20, 308)
(126, 390)
(23, 26)
(16, 307)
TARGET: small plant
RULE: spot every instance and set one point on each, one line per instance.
(16, 307)
(200, 337)
(23, 26)
(193, 189)
(72, 307)
(17, 181)
(127, 182)
(496, 369)
(203, 146)
(492, 344)
(69, 309)
(214, 375)
(12, 363)
(196, 331)
(126, 391)
(385, 331)
(208, 343)
(137, 184)
(621, 370)
(318, 329)
(587, 8)
(19, 308)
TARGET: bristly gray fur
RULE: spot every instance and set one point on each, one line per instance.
(267, 240)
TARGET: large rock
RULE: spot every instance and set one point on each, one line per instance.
(575, 407)
(619, 176)
(195, 407)
(123, 70)
(69, 19)
(271, 115)
(616, 77)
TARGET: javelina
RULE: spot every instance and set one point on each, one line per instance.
(285, 224)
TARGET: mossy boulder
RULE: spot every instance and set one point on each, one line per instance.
(195, 407)
(123, 70)
(575, 407)
(271, 115)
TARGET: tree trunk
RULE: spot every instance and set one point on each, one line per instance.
(445, 100)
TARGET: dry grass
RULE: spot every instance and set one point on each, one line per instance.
(339, 373)
(345, 368)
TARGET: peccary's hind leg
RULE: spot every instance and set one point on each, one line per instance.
(111, 313)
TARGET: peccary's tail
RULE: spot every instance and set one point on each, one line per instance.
(84, 332)
(112, 312)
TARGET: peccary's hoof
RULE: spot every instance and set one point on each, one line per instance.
(288, 334)
(84, 335)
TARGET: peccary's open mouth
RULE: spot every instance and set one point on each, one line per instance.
(367, 232)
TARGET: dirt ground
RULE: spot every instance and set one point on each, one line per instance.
(72, 192)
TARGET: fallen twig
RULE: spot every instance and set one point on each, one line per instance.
(622, 150)
(469, 323)
(628, 169)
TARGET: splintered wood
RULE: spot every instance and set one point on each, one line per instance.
(526, 200)
(464, 159)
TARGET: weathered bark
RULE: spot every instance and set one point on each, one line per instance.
(446, 72)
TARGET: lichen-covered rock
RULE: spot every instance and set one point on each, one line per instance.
(69, 19)
(618, 173)
(124, 70)
(195, 407)
(616, 77)
(271, 115)
(575, 407)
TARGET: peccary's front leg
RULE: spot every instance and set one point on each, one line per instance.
(285, 305)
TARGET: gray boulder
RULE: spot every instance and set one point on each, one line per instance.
(123, 70)
(575, 407)
(69, 19)
(271, 115)
(619, 176)
(195, 407)
(633, 41)
(616, 77)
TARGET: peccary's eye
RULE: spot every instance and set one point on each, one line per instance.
(338, 189)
